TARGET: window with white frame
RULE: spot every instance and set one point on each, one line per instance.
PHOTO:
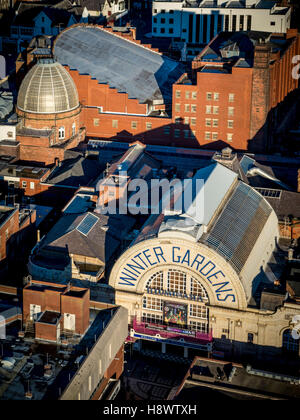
(198, 290)
(231, 111)
(201, 327)
(198, 311)
(156, 281)
(152, 303)
(61, 133)
(229, 137)
(151, 318)
(176, 281)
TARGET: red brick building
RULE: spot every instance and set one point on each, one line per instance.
(49, 113)
(15, 224)
(55, 309)
(235, 93)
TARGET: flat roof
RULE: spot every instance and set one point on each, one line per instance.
(49, 317)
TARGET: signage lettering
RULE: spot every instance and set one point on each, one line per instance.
(136, 266)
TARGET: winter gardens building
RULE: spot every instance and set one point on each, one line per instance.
(199, 279)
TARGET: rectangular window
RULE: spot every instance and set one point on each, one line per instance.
(162, 30)
(115, 123)
(193, 121)
(226, 25)
(215, 123)
(96, 122)
(201, 327)
(163, 20)
(193, 108)
(178, 94)
(207, 135)
(24, 184)
(171, 21)
(229, 137)
(208, 109)
(198, 311)
(187, 94)
(241, 22)
(234, 23)
(187, 108)
(153, 303)
(176, 281)
(231, 97)
(186, 134)
(249, 23)
(209, 96)
(32, 185)
(194, 95)
(148, 126)
(177, 107)
(216, 96)
(171, 31)
(230, 111)
(134, 125)
(208, 122)
(186, 120)
(216, 110)
(215, 136)
(176, 133)
(167, 129)
(230, 123)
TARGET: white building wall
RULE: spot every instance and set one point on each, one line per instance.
(8, 132)
(261, 20)
(260, 254)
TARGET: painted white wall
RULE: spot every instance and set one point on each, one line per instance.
(8, 132)
(262, 19)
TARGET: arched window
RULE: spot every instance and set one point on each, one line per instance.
(61, 133)
(73, 129)
(156, 281)
(289, 344)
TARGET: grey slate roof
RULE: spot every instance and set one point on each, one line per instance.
(124, 65)
(101, 242)
(76, 171)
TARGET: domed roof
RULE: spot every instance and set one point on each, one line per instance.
(47, 88)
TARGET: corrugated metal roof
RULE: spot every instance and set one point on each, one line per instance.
(143, 74)
(239, 225)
